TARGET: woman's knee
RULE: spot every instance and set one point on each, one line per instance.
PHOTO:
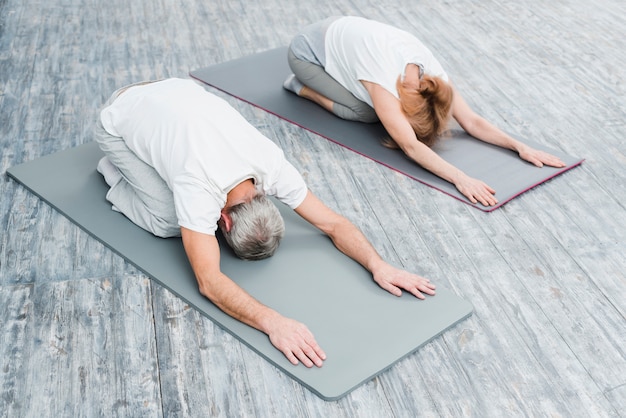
(358, 112)
(366, 114)
(291, 59)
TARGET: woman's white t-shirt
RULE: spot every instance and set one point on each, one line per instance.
(362, 49)
(201, 147)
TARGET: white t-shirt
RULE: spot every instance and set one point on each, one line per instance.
(362, 49)
(201, 147)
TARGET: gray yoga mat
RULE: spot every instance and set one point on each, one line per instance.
(258, 79)
(363, 329)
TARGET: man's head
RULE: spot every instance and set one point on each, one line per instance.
(253, 229)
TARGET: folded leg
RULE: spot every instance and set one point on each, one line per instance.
(344, 104)
(138, 192)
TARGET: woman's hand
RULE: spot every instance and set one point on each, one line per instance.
(539, 158)
(476, 191)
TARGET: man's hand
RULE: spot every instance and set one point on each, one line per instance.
(476, 190)
(394, 280)
(292, 338)
(295, 341)
(539, 158)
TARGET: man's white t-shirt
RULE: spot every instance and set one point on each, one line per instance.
(362, 49)
(201, 147)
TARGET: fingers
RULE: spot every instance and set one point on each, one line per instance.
(305, 356)
(539, 158)
(298, 345)
(478, 192)
(534, 158)
(424, 286)
(553, 161)
(487, 199)
(416, 285)
(292, 359)
(389, 287)
(312, 354)
(485, 196)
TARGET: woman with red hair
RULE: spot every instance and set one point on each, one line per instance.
(368, 71)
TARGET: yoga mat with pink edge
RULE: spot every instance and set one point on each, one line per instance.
(257, 79)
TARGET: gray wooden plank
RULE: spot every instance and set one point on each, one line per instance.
(38, 246)
(385, 207)
(15, 329)
(89, 350)
(201, 370)
(501, 311)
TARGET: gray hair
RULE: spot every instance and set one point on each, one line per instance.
(257, 228)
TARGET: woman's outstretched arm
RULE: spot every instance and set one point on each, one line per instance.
(480, 128)
(390, 113)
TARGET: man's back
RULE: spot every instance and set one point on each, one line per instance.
(201, 146)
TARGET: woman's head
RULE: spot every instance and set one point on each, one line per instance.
(257, 228)
(427, 108)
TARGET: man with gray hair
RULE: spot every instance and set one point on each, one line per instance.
(180, 161)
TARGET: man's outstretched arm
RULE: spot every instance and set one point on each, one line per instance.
(351, 241)
(291, 337)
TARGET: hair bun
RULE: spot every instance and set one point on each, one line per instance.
(429, 87)
(427, 107)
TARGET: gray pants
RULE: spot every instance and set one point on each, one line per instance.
(141, 194)
(307, 59)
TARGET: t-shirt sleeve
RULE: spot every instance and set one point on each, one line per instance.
(289, 187)
(418, 54)
(433, 68)
(197, 207)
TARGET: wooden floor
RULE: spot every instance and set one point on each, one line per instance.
(83, 334)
